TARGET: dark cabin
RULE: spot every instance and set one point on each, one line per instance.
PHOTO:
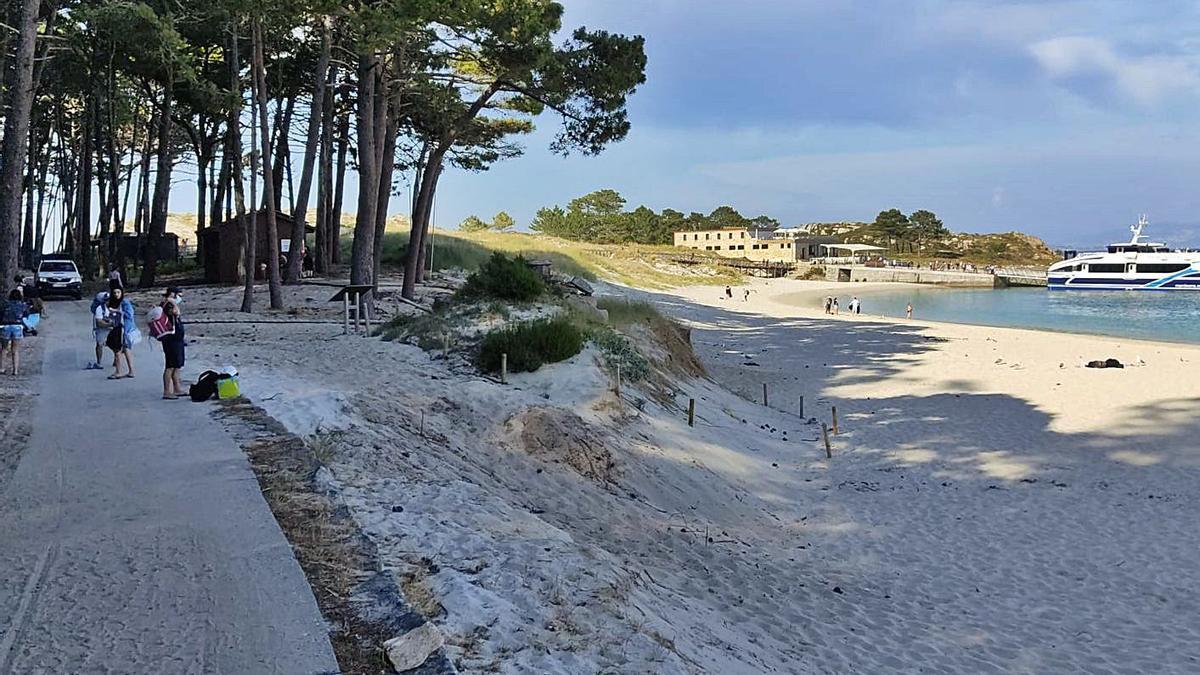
(222, 245)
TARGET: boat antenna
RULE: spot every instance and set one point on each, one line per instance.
(1137, 229)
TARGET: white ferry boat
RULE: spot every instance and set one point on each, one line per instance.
(1132, 266)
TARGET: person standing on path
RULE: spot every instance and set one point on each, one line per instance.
(99, 332)
(173, 344)
(12, 330)
(122, 334)
(908, 311)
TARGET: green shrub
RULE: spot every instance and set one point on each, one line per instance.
(503, 278)
(617, 350)
(530, 345)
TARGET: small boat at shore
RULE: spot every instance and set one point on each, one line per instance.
(1135, 265)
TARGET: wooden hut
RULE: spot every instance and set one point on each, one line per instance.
(222, 245)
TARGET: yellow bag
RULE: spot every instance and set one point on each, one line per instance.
(227, 387)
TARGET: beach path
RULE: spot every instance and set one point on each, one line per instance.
(134, 537)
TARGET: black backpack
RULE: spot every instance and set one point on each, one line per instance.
(205, 387)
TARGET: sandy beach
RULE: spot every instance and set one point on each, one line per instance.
(990, 505)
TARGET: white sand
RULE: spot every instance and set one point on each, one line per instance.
(985, 510)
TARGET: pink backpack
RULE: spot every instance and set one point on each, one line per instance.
(161, 327)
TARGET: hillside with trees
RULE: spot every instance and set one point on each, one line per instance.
(267, 106)
(601, 217)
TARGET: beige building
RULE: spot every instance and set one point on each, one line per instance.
(758, 245)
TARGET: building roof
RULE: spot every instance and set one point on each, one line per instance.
(856, 248)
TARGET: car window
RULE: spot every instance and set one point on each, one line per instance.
(57, 266)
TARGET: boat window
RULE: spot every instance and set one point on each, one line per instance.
(1106, 268)
(1161, 268)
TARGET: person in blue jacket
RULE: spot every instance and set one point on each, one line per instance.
(116, 314)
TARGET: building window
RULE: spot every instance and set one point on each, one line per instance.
(706, 236)
(716, 248)
(743, 235)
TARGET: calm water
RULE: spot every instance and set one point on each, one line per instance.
(1165, 316)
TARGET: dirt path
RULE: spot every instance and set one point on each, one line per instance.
(134, 538)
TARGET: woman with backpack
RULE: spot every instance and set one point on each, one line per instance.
(168, 330)
(12, 330)
(117, 316)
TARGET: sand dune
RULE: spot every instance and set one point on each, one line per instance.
(986, 510)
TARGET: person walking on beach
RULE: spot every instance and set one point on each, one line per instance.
(117, 316)
(173, 344)
(746, 295)
(729, 292)
(908, 311)
(856, 305)
(12, 312)
(836, 310)
(829, 304)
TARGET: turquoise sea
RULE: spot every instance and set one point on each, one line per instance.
(1167, 316)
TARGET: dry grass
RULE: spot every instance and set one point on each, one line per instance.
(359, 601)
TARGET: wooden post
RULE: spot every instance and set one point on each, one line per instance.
(765, 401)
(825, 437)
(446, 346)
(366, 321)
(504, 368)
(833, 411)
(802, 406)
(422, 424)
(357, 310)
(691, 412)
(618, 380)
(346, 309)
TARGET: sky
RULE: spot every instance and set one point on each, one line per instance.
(1065, 119)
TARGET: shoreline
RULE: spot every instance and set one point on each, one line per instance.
(800, 299)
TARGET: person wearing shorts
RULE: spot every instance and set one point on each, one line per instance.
(173, 345)
(99, 330)
(12, 330)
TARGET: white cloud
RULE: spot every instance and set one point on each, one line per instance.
(1146, 80)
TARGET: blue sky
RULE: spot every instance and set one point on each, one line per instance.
(1061, 118)
(1064, 119)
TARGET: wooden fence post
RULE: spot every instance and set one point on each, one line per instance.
(825, 437)
(766, 403)
(618, 380)
(833, 411)
(504, 368)
(802, 406)
(691, 412)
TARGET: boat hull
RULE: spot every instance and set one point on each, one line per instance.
(1183, 282)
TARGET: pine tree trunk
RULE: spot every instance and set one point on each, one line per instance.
(362, 253)
(427, 224)
(18, 107)
(27, 233)
(387, 164)
(283, 127)
(414, 257)
(248, 221)
(274, 282)
(316, 116)
(162, 190)
(339, 190)
(83, 195)
(326, 226)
